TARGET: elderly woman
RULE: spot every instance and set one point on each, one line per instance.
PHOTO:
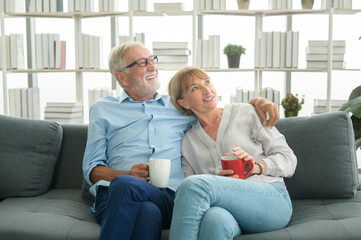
(216, 204)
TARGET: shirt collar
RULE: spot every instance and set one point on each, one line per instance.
(124, 96)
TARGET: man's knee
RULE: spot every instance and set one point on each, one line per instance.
(126, 186)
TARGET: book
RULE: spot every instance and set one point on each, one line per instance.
(63, 55)
(276, 50)
(45, 50)
(257, 50)
(283, 50)
(174, 58)
(210, 52)
(143, 5)
(57, 53)
(24, 102)
(63, 115)
(324, 43)
(289, 41)
(239, 95)
(17, 51)
(87, 50)
(36, 102)
(65, 120)
(319, 64)
(217, 51)
(38, 50)
(171, 52)
(171, 65)
(263, 50)
(295, 45)
(63, 104)
(269, 49)
(169, 45)
(164, 7)
(324, 50)
(324, 57)
(64, 109)
(334, 102)
(80, 51)
(323, 109)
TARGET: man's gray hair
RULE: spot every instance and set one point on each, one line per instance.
(115, 60)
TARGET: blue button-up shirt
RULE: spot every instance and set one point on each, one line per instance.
(123, 132)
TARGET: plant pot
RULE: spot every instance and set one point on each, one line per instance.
(291, 113)
(243, 4)
(233, 60)
(307, 4)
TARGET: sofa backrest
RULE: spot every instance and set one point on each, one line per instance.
(326, 155)
(68, 172)
(29, 151)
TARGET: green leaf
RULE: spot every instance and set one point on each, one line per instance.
(353, 106)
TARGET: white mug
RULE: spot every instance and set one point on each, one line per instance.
(159, 170)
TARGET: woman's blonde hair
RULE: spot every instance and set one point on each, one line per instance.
(181, 81)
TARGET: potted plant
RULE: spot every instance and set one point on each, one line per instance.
(243, 4)
(307, 4)
(292, 104)
(234, 52)
(354, 106)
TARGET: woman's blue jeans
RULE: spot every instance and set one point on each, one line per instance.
(215, 207)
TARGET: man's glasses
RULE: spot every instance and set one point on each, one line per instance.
(142, 62)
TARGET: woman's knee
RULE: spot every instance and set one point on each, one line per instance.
(196, 184)
(218, 223)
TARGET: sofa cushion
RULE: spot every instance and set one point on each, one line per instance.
(326, 156)
(57, 214)
(327, 219)
(29, 150)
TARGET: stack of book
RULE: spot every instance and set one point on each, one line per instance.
(317, 54)
(212, 5)
(90, 51)
(139, 37)
(244, 95)
(95, 94)
(45, 5)
(168, 7)
(337, 4)
(24, 102)
(50, 51)
(279, 4)
(171, 55)
(320, 105)
(277, 50)
(64, 112)
(139, 5)
(208, 52)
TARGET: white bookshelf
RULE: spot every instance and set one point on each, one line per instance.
(197, 28)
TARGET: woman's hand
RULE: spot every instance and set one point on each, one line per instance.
(228, 173)
(264, 106)
(237, 151)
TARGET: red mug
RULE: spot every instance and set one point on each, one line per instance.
(237, 165)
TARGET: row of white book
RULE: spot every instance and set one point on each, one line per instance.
(208, 52)
(89, 5)
(139, 37)
(277, 50)
(244, 95)
(171, 55)
(279, 4)
(50, 51)
(14, 51)
(95, 94)
(320, 105)
(212, 5)
(337, 4)
(139, 5)
(44, 5)
(64, 112)
(24, 102)
(317, 54)
(90, 51)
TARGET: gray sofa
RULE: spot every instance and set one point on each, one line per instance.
(43, 195)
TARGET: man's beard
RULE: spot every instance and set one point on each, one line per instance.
(144, 87)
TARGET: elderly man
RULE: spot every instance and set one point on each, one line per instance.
(123, 134)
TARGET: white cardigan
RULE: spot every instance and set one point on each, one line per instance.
(240, 126)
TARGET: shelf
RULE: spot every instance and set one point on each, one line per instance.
(66, 14)
(54, 70)
(274, 12)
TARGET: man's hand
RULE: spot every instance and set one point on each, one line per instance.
(264, 106)
(141, 171)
